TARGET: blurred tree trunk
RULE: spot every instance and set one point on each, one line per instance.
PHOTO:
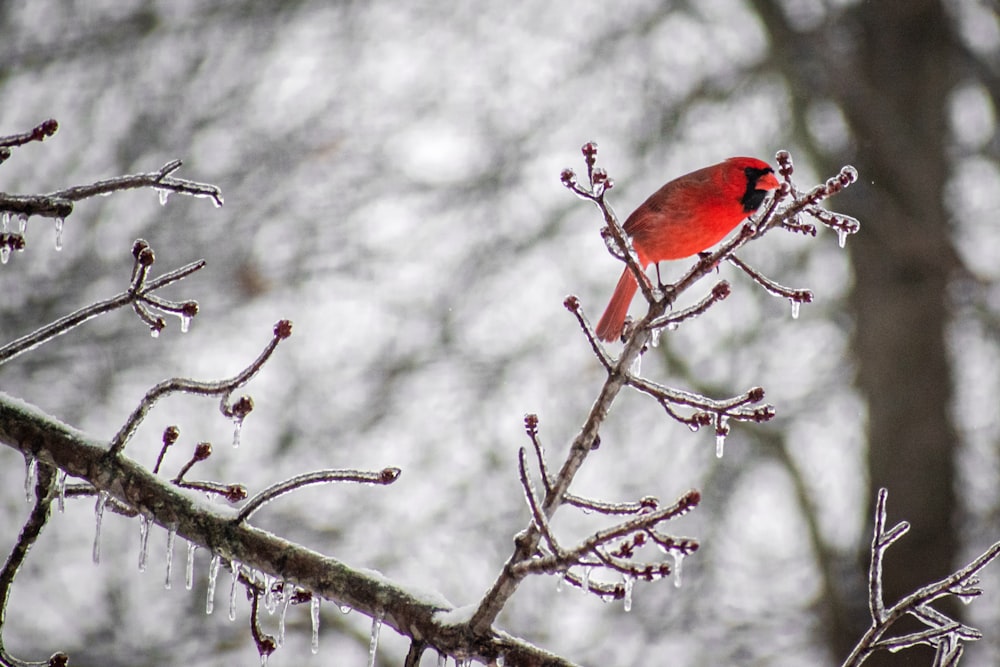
(889, 66)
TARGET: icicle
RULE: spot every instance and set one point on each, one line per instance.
(345, 609)
(143, 541)
(373, 644)
(213, 574)
(60, 222)
(442, 660)
(629, 583)
(154, 332)
(585, 584)
(270, 598)
(235, 567)
(22, 223)
(164, 195)
(286, 596)
(636, 368)
(189, 568)
(678, 559)
(501, 660)
(30, 471)
(4, 253)
(171, 534)
(61, 490)
(102, 500)
(841, 237)
(237, 429)
(559, 584)
(314, 617)
(4, 221)
(185, 323)
(795, 308)
(263, 658)
(654, 337)
(721, 431)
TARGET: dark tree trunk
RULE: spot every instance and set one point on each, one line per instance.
(888, 65)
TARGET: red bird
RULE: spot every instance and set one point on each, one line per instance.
(687, 215)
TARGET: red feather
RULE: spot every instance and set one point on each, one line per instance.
(684, 217)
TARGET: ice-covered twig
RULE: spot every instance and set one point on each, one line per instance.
(44, 494)
(266, 644)
(139, 290)
(384, 476)
(572, 304)
(775, 288)
(617, 240)
(59, 204)
(719, 292)
(282, 330)
(707, 410)
(945, 634)
(44, 129)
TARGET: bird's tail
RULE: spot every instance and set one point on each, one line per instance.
(610, 326)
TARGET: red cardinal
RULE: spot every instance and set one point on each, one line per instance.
(687, 215)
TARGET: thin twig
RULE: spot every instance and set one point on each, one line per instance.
(384, 476)
(204, 388)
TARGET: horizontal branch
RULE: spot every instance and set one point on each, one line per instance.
(409, 611)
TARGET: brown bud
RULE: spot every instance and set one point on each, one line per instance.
(590, 152)
(146, 256)
(568, 177)
(138, 247)
(236, 493)
(572, 303)
(242, 407)
(170, 435)
(756, 395)
(202, 451)
(283, 329)
(721, 290)
(389, 475)
(531, 423)
(189, 309)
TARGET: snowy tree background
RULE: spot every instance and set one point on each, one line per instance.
(390, 173)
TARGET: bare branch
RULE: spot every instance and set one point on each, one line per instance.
(282, 330)
(384, 476)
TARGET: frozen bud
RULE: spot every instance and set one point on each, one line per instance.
(157, 326)
(600, 176)
(531, 423)
(189, 309)
(58, 659)
(590, 152)
(640, 539)
(691, 498)
(266, 646)
(572, 303)
(848, 174)
(170, 435)
(702, 418)
(784, 188)
(721, 290)
(202, 451)
(235, 493)
(138, 247)
(283, 329)
(16, 242)
(649, 503)
(146, 256)
(802, 296)
(597, 442)
(756, 395)
(389, 475)
(242, 407)
(785, 166)
(764, 414)
(46, 129)
(568, 177)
